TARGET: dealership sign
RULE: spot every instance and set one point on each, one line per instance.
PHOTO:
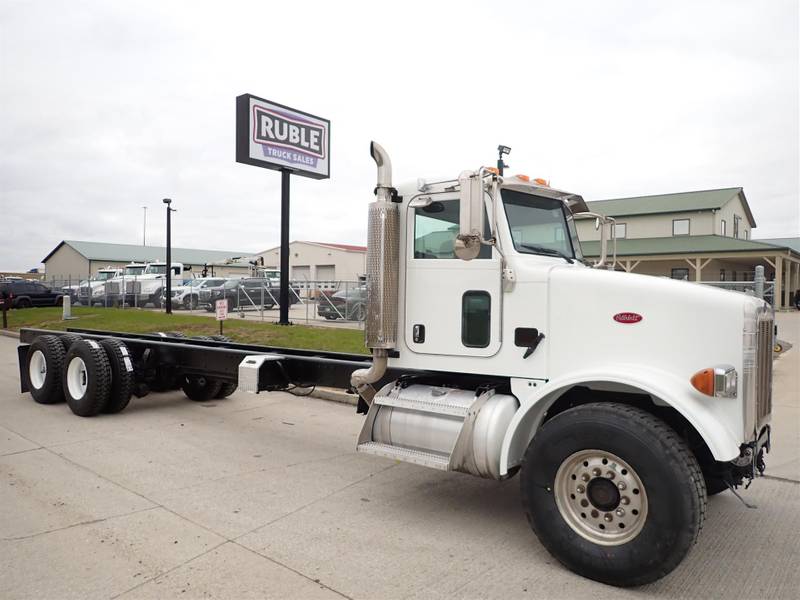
(274, 136)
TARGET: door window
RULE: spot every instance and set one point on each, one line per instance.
(436, 228)
(476, 318)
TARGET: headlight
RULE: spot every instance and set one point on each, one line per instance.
(719, 381)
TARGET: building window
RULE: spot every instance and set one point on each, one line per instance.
(680, 227)
(736, 219)
(620, 231)
(680, 274)
(476, 319)
(723, 227)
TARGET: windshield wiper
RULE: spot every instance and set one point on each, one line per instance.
(547, 251)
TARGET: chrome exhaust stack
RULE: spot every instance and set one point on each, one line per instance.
(383, 263)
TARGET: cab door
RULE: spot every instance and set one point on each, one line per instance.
(453, 307)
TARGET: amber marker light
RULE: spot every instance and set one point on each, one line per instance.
(719, 381)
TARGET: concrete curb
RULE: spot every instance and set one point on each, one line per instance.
(8, 333)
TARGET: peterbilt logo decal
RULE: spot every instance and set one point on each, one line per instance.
(275, 129)
(627, 317)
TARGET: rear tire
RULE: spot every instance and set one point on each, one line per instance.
(200, 388)
(226, 389)
(651, 484)
(122, 380)
(86, 378)
(219, 338)
(44, 364)
(68, 339)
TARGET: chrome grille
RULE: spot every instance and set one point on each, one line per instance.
(764, 346)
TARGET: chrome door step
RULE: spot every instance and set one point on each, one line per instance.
(419, 457)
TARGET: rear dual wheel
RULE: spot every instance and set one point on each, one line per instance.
(613, 493)
(92, 376)
(86, 378)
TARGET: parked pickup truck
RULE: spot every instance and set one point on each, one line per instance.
(188, 295)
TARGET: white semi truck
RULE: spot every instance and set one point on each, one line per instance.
(621, 401)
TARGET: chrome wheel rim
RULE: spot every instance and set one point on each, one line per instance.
(37, 369)
(601, 497)
(77, 378)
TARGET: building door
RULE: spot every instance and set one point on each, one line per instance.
(301, 273)
(326, 273)
(452, 306)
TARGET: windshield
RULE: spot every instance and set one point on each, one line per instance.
(540, 225)
(104, 275)
(156, 269)
(229, 285)
(134, 270)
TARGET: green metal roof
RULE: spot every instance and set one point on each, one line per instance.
(670, 203)
(684, 244)
(793, 243)
(131, 253)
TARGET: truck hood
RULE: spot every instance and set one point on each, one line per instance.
(597, 315)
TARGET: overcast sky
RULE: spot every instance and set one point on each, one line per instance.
(110, 106)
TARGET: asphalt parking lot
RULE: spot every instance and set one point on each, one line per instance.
(264, 497)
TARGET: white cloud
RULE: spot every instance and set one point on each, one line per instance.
(111, 106)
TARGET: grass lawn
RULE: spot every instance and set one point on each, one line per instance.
(133, 320)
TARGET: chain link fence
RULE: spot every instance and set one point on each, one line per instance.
(330, 302)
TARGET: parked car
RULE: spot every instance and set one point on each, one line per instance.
(24, 294)
(188, 295)
(349, 304)
(253, 292)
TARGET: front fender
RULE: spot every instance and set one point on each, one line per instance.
(713, 418)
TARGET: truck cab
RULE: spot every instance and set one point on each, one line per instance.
(537, 362)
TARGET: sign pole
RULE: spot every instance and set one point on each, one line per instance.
(283, 299)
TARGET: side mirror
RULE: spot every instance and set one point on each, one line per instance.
(470, 230)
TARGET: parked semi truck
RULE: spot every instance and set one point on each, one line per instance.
(620, 401)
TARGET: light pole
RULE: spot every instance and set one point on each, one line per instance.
(170, 210)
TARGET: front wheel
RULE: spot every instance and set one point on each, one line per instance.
(613, 493)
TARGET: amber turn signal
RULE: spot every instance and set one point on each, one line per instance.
(703, 381)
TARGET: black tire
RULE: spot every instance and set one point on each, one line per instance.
(200, 388)
(190, 302)
(331, 317)
(358, 313)
(52, 352)
(90, 398)
(219, 338)
(674, 493)
(23, 303)
(226, 389)
(122, 379)
(68, 339)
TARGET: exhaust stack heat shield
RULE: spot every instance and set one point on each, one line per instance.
(383, 243)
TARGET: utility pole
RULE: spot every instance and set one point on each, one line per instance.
(144, 228)
(170, 210)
